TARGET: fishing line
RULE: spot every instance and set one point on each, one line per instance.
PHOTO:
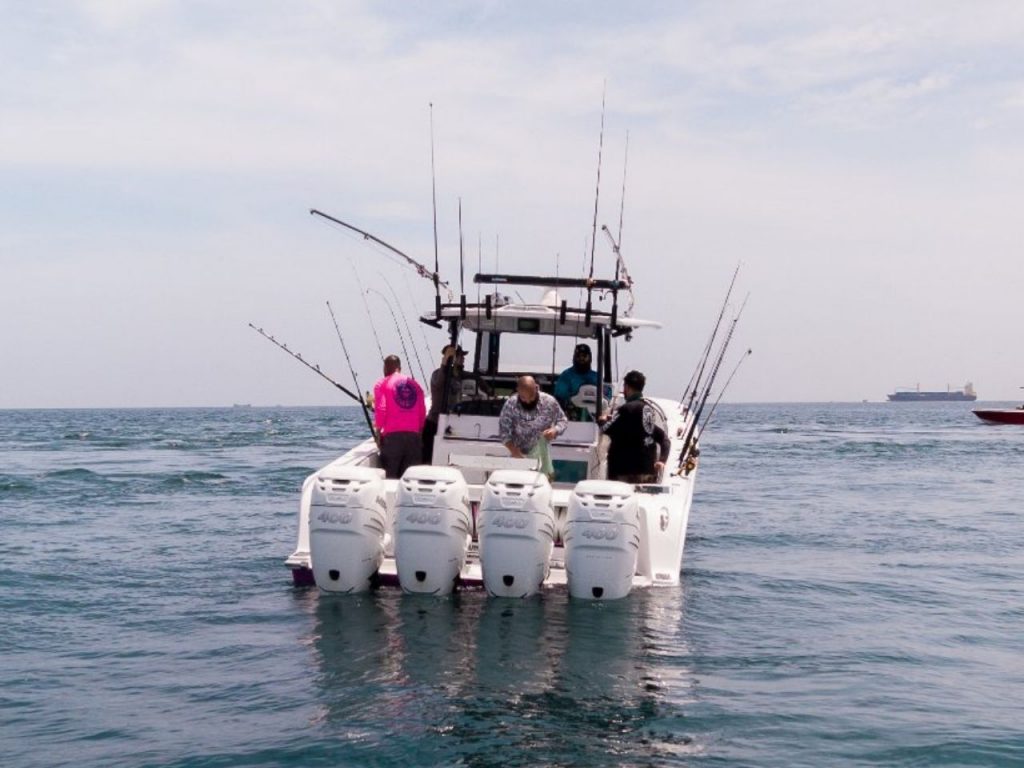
(408, 330)
(369, 315)
(355, 379)
(398, 328)
(312, 366)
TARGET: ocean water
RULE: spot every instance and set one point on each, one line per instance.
(852, 594)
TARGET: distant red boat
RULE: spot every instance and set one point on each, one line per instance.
(1002, 415)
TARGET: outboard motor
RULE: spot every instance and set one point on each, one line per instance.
(433, 525)
(602, 538)
(516, 527)
(347, 520)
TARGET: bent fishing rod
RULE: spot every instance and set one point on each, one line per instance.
(362, 401)
(313, 367)
(421, 270)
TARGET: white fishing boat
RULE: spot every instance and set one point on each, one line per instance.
(478, 517)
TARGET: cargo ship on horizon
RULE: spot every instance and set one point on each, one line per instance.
(915, 395)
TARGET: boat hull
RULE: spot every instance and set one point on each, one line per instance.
(656, 528)
(1001, 416)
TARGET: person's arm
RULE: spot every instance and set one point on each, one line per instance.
(421, 406)
(505, 429)
(613, 424)
(562, 388)
(559, 422)
(662, 439)
(437, 389)
(379, 404)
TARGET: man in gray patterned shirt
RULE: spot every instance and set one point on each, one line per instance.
(528, 417)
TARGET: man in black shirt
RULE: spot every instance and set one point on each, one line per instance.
(639, 447)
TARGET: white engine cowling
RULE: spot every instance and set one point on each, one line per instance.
(602, 538)
(516, 527)
(347, 520)
(433, 525)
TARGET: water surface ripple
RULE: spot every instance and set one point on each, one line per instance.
(853, 594)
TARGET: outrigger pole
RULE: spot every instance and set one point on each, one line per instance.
(362, 402)
(311, 366)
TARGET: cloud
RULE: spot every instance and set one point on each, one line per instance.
(161, 157)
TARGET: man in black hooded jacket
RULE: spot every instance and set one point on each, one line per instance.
(639, 447)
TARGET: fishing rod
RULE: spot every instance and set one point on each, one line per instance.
(597, 197)
(622, 198)
(369, 315)
(688, 441)
(433, 197)
(408, 330)
(398, 328)
(421, 270)
(620, 266)
(412, 303)
(694, 384)
(728, 381)
(462, 259)
(355, 379)
(311, 366)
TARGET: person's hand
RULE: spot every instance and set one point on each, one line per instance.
(550, 434)
(516, 453)
(603, 418)
(658, 467)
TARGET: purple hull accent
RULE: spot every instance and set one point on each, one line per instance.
(303, 577)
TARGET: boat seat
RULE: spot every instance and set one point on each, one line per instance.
(585, 401)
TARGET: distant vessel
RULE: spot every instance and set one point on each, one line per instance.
(917, 396)
(1002, 415)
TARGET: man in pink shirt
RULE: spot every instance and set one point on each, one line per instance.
(399, 410)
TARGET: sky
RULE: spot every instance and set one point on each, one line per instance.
(861, 161)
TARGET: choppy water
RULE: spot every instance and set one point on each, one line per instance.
(853, 594)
